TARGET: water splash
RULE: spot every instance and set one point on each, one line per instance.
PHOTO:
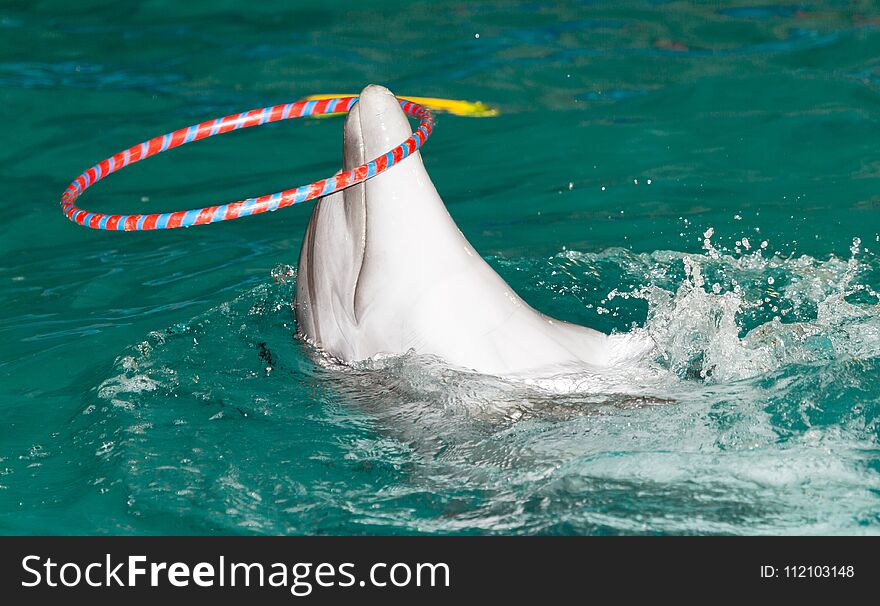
(733, 317)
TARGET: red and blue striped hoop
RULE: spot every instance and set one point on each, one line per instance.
(250, 206)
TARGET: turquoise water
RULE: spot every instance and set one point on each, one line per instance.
(709, 176)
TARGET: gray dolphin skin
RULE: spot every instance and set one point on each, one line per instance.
(384, 270)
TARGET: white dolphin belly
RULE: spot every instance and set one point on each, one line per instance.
(384, 270)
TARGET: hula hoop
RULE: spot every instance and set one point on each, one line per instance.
(250, 206)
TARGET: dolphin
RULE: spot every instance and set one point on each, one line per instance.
(385, 271)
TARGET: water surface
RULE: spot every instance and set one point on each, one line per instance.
(707, 176)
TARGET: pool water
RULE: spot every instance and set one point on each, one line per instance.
(707, 176)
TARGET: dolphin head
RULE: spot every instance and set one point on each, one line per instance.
(384, 270)
(401, 199)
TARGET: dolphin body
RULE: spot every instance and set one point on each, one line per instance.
(384, 270)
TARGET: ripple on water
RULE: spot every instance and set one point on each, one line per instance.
(757, 412)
